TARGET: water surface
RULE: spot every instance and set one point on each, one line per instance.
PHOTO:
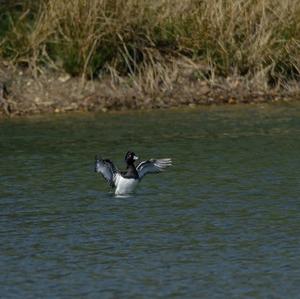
(224, 222)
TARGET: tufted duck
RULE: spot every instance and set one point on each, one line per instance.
(126, 181)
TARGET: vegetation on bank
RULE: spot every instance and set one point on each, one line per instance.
(145, 39)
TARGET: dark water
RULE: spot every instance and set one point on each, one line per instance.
(224, 222)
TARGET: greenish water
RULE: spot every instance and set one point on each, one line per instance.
(223, 222)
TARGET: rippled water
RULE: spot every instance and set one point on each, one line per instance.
(224, 222)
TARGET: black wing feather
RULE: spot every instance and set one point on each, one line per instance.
(107, 169)
(152, 166)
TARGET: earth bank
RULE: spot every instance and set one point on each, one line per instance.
(56, 92)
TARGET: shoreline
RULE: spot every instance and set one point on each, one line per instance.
(54, 92)
(60, 56)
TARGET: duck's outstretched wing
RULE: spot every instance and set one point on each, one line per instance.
(107, 169)
(152, 166)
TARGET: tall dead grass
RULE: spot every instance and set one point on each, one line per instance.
(256, 39)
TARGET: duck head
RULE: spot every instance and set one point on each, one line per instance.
(130, 157)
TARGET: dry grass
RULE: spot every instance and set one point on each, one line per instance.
(256, 39)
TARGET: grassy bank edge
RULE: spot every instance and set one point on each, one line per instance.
(135, 54)
(140, 38)
(58, 92)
